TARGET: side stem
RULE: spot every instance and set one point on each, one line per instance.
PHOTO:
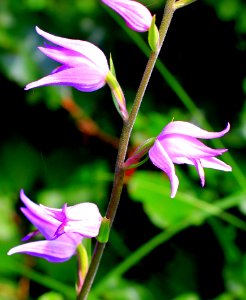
(123, 145)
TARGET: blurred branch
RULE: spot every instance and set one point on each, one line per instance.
(85, 124)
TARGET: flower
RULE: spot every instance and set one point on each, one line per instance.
(63, 229)
(136, 15)
(178, 143)
(84, 66)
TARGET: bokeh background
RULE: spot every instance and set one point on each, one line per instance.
(60, 145)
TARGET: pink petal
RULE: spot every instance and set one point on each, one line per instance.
(136, 15)
(84, 219)
(200, 171)
(191, 130)
(84, 78)
(178, 146)
(85, 49)
(160, 159)
(67, 57)
(38, 217)
(44, 223)
(83, 211)
(214, 163)
(53, 251)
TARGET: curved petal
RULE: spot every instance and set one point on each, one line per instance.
(191, 130)
(83, 211)
(179, 145)
(200, 171)
(85, 49)
(53, 251)
(84, 219)
(86, 79)
(160, 159)
(38, 217)
(208, 162)
(136, 15)
(86, 228)
(215, 163)
(68, 57)
(46, 225)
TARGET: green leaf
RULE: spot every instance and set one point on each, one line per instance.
(51, 296)
(153, 190)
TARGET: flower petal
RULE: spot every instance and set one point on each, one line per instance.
(136, 15)
(214, 163)
(160, 159)
(38, 217)
(86, 79)
(85, 49)
(180, 146)
(84, 219)
(53, 251)
(46, 225)
(191, 130)
(67, 57)
(200, 171)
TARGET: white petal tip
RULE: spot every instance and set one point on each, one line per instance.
(10, 252)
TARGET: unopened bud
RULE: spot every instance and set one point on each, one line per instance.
(117, 95)
(153, 36)
(134, 160)
(104, 231)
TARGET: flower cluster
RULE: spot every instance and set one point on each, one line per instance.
(84, 67)
(62, 228)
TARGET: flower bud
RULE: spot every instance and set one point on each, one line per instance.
(104, 231)
(117, 94)
(140, 152)
(153, 36)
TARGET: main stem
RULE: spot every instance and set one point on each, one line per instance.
(123, 145)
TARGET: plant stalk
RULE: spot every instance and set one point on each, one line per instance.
(123, 146)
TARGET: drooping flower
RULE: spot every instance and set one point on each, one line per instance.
(178, 143)
(135, 14)
(63, 229)
(83, 66)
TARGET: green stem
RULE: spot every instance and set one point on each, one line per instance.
(123, 145)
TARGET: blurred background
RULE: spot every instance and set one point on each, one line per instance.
(60, 145)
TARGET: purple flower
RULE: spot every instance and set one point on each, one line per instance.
(178, 144)
(84, 66)
(136, 15)
(63, 229)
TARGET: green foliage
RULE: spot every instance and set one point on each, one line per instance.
(153, 190)
(51, 296)
(61, 163)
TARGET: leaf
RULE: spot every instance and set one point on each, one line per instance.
(153, 190)
(51, 296)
